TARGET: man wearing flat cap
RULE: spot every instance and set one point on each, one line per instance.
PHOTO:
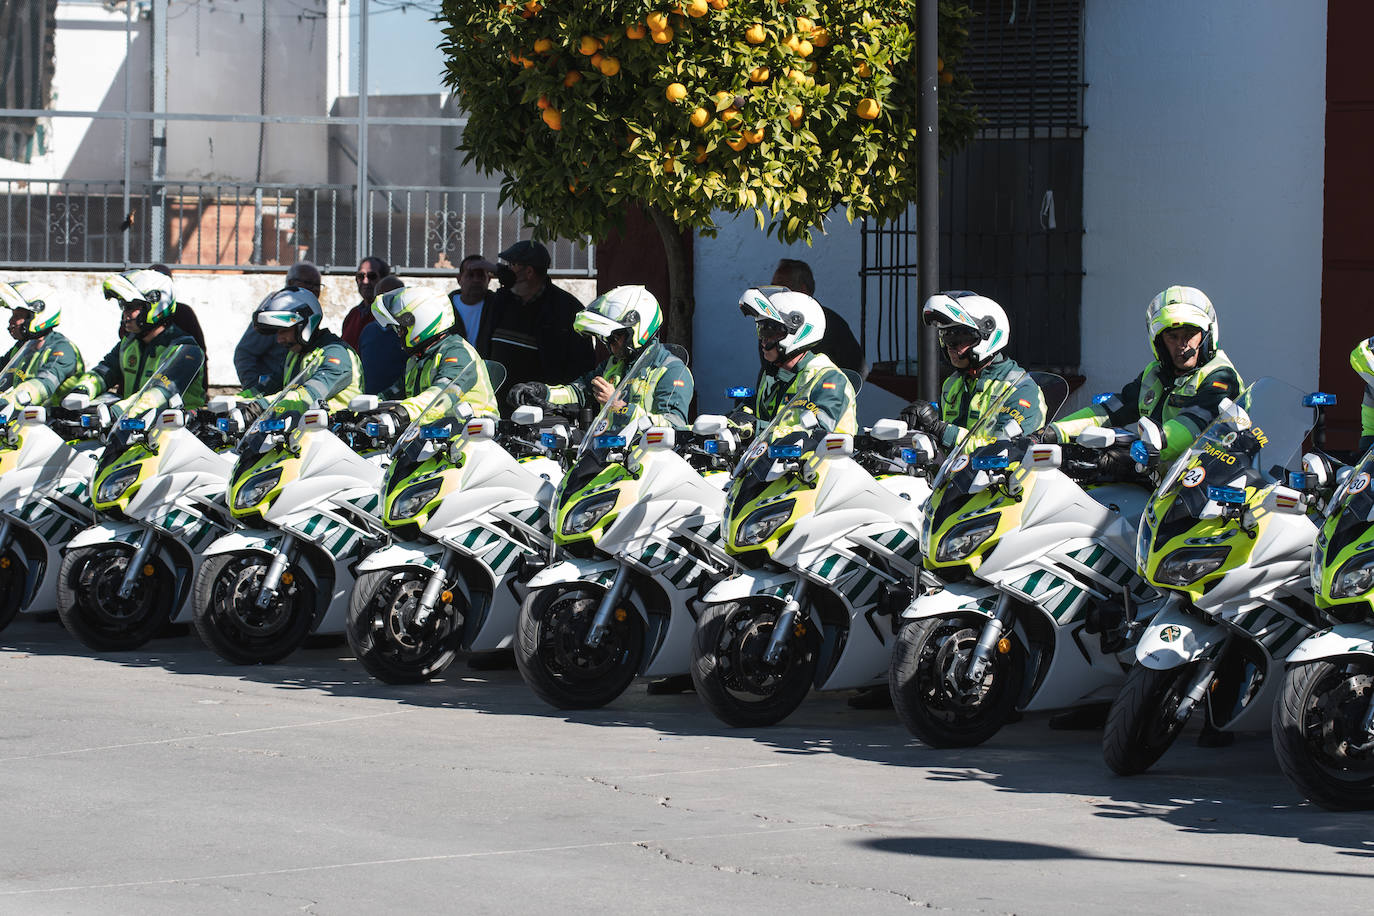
(533, 335)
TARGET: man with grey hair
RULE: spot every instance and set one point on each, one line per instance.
(259, 354)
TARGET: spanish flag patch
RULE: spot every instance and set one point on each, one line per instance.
(451, 359)
(678, 383)
(333, 359)
(1219, 385)
(1023, 402)
(827, 384)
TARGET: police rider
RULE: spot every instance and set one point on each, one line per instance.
(332, 374)
(52, 362)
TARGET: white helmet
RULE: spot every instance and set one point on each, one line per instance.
(801, 317)
(961, 310)
(625, 308)
(38, 299)
(1183, 306)
(289, 308)
(419, 314)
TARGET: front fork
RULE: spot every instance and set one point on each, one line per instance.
(991, 635)
(786, 621)
(433, 587)
(601, 623)
(271, 581)
(1206, 674)
(135, 567)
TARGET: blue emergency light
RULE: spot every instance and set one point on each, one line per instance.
(1319, 399)
(990, 462)
(739, 392)
(784, 451)
(608, 442)
(1233, 496)
(132, 423)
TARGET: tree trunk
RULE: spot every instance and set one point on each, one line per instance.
(680, 307)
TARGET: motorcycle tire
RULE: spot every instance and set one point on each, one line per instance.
(13, 573)
(382, 636)
(553, 656)
(1317, 719)
(729, 672)
(88, 599)
(919, 682)
(228, 620)
(1142, 724)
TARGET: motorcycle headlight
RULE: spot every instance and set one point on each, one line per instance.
(256, 488)
(411, 501)
(588, 512)
(1355, 577)
(113, 487)
(1186, 566)
(965, 537)
(759, 525)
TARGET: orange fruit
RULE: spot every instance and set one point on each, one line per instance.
(542, 45)
(737, 143)
(729, 115)
(946, 78)
(939, 65)
(717, 4)
(795, 114)
(864, 70)
(755, 34)
(804, 25)
(701, 154)
(663, 37)
(752, 136)
(553, 117)
(820, 38)
(635, 31)
(544, 103)
(868, 109)
(697, 8)
(675, 92)
(804, 48)
(758, 75)
(669, 165)
(572, 79)
(724, 98)
(609, 66)
(588, 46)
(796, 76)
(657, 22)
(700, 117)
(793, 42)
(596, 60)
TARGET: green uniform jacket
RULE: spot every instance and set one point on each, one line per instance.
(429, 371)
(335, 374)
(665, 392)
(816, 384)
(1183, 406)
(50, 374)
(1362, 361)
(126, 367)
(965, 398)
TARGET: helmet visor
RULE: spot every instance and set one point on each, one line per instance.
(958, 336)
(770, 330)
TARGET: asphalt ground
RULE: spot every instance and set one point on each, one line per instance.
(168, 781)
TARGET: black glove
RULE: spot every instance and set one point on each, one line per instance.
(741, 420)
(1116, 464)
(250, 410)
(390, 420)
(534, 394)
(1046, 436)
(924, 416)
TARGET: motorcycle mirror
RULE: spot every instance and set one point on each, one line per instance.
(1044, 457)
(837, 445)
(1149, 432)
(222, 404)
(1316, 470)
(35, 415)
(809, 419)
(315, 419)
(480, 428)
(76, 402)
(1285, 500)
(658, 438)
(527, 415)
(710, 424)
(888, 430)
(363, 403)
(171, 419)
(1096, 437)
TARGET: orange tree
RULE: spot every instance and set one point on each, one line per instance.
(789, 109)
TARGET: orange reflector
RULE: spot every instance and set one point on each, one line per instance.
(287, 578)
(1003, 646)
(446, 596)
(148, 569)
(620, 614)
(799, 629)
(4, 562)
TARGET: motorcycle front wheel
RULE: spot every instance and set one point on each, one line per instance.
(1319, 734)
(1143, 722)
(229, 620)
(930, 693)
(13, 572)
(91, 608)
(553, 656)
(729, 670)
(382, 630)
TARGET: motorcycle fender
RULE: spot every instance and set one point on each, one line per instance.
(1345, 639)
(243, 541)
(395, 555)
(104, 533)
(1175, 638)
(745, 585)
(596, 571)
(952, 600)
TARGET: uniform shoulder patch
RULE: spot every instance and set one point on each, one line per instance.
(827, 384)
(1220, 385)
(1023, 402)
(679, 383)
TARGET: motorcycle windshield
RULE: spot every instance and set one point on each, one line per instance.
(619, 418)
(17, 367)
(179, 368)
(282, 413)
(440, 420)
(996, 424)
(1253, 442)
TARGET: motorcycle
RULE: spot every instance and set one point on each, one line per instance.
(158, 492)
(305, 503)
(824, 552)
(1030, 590)
(1230, 544)
(44, 497)
(466, 500)
(1323, 720)
(638, 528)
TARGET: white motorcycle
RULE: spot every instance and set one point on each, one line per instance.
(306, 504)
(638, 530)
(1031, 585)
(158, 489)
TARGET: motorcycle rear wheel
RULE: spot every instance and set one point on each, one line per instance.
(729, 672)
(382, 632)
(1317, 719)
(919, 676)
(89, 604)
(232, 625)
(554, 658)
(1142, 723)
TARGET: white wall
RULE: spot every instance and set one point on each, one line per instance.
(1203, 167)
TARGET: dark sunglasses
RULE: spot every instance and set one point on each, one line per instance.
(366, 275)
(770, 330)
(957, 336)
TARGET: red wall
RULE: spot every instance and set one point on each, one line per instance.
(1347, 305)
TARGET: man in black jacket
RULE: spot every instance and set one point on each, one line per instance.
(533, 334)
(839, 344)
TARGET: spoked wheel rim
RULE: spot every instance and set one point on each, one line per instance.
(397, 636)
(1332, 717)
(562, 646)
(233, 601)
(947, 694)
(744, 638)
(95, 584)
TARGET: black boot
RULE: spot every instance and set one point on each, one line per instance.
(871, 698)
(671, 686)
(1080, 718)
